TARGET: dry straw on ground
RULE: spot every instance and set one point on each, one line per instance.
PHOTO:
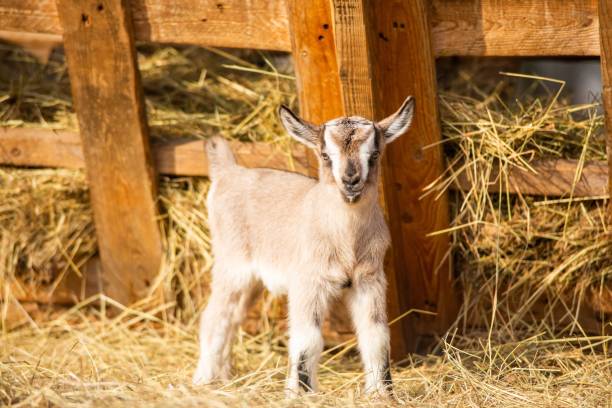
(512, 252)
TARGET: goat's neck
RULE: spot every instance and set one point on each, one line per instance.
(337, 215)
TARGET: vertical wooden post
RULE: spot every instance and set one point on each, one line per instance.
(314, 59)
(99, 46)
(314, 56)
(321, 98)
(385, 54)
(605, 31)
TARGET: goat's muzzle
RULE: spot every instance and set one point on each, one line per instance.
(352, 195)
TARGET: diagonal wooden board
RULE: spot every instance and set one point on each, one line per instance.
(107, 94)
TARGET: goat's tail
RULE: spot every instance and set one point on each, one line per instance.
(220, 156)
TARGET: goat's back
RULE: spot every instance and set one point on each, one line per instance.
(256, 214)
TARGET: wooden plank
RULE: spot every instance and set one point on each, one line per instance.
(261, 24)
(41, 148)
(605, 15)
(106, 89)
(314, 58)
(187, 157)
(552, 178)
(514, 28)
(400, 40)
(32, 16)
(38, 45)
(396, 39)
(184, 157)
(459, 27)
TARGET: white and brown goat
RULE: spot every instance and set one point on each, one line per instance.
(315, 240)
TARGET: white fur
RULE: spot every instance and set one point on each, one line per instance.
(365, 151)
(297, 236)
(334, 152)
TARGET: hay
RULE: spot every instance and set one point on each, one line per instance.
(85, 359)
(516, 251)
(512, 252)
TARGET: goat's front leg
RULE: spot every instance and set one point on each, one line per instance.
(307, 309)
(366, 301)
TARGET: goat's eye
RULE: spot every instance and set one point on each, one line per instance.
(374, 155)
(325, 156)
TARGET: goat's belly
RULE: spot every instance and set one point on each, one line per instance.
(275, 280)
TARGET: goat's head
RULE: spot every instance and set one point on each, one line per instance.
(349, 148)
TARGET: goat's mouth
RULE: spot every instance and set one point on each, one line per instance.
(351, 197)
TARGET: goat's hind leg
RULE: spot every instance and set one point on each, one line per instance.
(247, 299)
(217, 324)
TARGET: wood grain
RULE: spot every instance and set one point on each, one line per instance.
(107, 94)
(459, 27)
(38, 45)
(314, 60)
(31, 16)
(514, 28)
(403, 64)
(314, 57)
(552, 178)
(41, 148)
(261, 24)
(605, 13)
(353, 57)
(187, 157)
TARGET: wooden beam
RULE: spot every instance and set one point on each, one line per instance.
(41, 148)
(182, 157)
(605, 15)
(552, 178)
(38, 45)
(314, 61)
(467, 27)
(403, 63)
(514, 28)
(261, 24)
(386, 55)
(187, 157)
(107, 95)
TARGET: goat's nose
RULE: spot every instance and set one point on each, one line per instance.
(351, 180)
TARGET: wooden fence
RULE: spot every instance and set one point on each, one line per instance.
(360, 57)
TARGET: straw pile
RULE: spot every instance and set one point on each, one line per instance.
(511, 252)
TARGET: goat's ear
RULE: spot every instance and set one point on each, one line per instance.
(397, 124)
(298, 128)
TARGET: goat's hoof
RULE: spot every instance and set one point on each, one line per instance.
(202, 376)
(200, 380)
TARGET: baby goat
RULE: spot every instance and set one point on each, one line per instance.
(315, 240)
